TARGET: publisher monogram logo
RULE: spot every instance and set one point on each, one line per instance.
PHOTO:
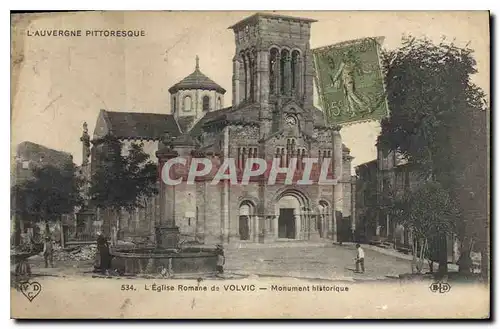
(31, 289)
(440, 287)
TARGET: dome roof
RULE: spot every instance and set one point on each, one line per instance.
(197, 80)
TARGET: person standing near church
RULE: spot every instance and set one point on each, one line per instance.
(104, 254)
(360, 258)
(221, 259)
(48, 252)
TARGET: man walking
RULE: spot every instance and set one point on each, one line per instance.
(360, 259)
(48, 252)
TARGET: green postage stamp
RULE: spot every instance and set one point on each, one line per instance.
(350, 82)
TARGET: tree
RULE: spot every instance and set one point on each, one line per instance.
(429, 93)
(429, 213)
(50, 193)
(122, 182)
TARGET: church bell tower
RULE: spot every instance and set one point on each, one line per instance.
(272, 65)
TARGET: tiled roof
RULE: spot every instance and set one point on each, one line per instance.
(141, 125)
(197, 128)
(249, 114)
(196, 80)
(153, 125)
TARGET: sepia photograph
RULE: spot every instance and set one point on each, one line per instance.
(257, 165)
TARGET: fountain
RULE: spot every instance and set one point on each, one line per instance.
(166, 258)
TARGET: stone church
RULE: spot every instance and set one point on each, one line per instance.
(272, 116)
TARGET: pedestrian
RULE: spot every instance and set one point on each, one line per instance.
(48, 252)
(104, 254)
(221, 260)
(360, 258)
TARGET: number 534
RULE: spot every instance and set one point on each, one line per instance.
(128, 287)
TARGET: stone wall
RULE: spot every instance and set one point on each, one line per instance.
(209, 199)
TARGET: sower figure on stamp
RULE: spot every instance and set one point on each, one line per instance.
(221, 259)
(48, 252)
(360, 258)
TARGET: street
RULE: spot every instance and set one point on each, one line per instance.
(324, 262)
(332, 262)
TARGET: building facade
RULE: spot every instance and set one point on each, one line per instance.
(392, 176)
(377, 182)
(272, 117)
(29, 156)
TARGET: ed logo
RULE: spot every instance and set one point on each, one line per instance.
(441, 287)
(31, 290)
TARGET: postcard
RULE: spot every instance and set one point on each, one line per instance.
(257, 165)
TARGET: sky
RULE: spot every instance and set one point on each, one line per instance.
(60, 82)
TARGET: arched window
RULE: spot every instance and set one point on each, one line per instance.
(285, 72)
(206, 103)
(273, 70)
(301, 154)
(242, 76)
(243, 157)
(282, 158)
(187, 104)
(219, 103)
(290, 150)
(245, 68)
(252, 77)
(295, 71)
(174, 108)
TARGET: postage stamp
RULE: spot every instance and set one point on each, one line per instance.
(319, 165)
(350, 81)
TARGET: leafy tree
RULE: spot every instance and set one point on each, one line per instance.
(427, 212)
(429, 93)
(122, 182)
(427, 86)
(50, 193)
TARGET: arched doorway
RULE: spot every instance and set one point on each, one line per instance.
(246, 220)
(291, 215)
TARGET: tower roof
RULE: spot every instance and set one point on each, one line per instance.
(197, 80)
(255, 17)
